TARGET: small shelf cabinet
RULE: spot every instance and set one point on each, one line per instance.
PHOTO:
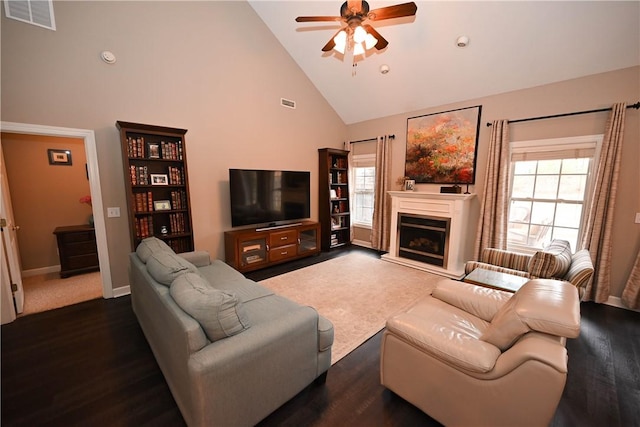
(157, 184)
(333, 201)
(254, 248)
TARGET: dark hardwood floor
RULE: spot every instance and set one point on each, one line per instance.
(89, 364)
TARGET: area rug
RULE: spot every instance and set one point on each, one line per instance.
(357, 292)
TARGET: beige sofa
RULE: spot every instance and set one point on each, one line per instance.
(473, 356)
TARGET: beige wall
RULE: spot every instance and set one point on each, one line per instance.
(44, 196)
(587, 93)
(216, 70)
(210, 67)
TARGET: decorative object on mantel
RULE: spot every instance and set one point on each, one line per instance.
(409, 185)
(442, 147)
(401, 182)
(453, 189)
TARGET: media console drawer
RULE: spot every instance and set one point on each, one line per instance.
(282, 252)
(281, 238)
(77, 249)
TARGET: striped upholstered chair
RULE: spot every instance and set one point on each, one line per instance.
(553, 262)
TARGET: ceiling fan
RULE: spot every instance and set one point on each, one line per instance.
(356, 35)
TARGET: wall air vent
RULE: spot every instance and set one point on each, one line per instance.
(288, 103)
(36, 12)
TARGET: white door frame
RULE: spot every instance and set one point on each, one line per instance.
(94, 185)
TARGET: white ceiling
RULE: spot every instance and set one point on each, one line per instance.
(513, 45)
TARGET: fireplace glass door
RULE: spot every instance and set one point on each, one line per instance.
(423, 238)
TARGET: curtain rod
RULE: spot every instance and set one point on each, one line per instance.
(371, 139)
(636, 106)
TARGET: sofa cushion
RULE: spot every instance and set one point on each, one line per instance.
(581, 269)
(543, 305)
(553, 262)
(477, 300)
(164, 267)
(219, 313)
(149, 246)
(446, 332)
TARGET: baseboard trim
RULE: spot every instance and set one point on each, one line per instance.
(617, 302)
(361, 243)
(40, 271)
(121, 291)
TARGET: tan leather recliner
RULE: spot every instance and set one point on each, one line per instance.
(473, 356)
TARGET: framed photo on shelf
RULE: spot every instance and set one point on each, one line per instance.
(154, 150)
(442, 147)
(59, 157)
(162, 205)
(159, 179)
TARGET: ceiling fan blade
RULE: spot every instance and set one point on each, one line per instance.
(397, 11)
(318, 18)
(382, 42)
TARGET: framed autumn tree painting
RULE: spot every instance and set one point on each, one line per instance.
(442, 147)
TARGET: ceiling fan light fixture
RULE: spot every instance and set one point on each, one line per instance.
(359, 34)
(341, 41)
(358, 49)
(370, 41)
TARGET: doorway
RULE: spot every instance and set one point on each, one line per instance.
(92, 173)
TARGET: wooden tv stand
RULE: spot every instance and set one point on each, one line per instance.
(251, 249)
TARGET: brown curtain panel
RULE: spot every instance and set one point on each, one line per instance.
(382, 204)
(597, 236)
(351, 179)
(492, 226)
(631, 293)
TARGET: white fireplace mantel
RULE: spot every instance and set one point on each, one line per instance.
(456, 207)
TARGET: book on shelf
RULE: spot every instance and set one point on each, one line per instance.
(135, 147)
(249, 259)
(250, 248)
(144, 227)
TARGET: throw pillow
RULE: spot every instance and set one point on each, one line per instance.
(553, 262)
(149, 246)
(165, 267)
(220, 314)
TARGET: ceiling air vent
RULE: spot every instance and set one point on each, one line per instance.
(36, 12)
(288, 103)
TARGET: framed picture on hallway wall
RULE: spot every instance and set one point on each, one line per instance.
(442, 147)
(59, 157)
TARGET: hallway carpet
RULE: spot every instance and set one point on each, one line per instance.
(49, 291)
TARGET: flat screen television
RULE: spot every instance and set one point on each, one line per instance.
(269, 197)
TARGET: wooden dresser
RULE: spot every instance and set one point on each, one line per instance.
(77, 249)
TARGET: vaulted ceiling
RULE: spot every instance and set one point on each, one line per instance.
(512, 45)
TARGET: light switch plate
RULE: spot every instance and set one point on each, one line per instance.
(113, 212)
(637, 217)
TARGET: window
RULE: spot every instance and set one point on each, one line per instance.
(364, 173)
(549, 191)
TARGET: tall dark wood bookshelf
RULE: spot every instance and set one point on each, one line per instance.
(333, 201)
(157, 184)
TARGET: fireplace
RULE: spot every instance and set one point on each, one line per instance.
(423, 238)
(434, 232)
